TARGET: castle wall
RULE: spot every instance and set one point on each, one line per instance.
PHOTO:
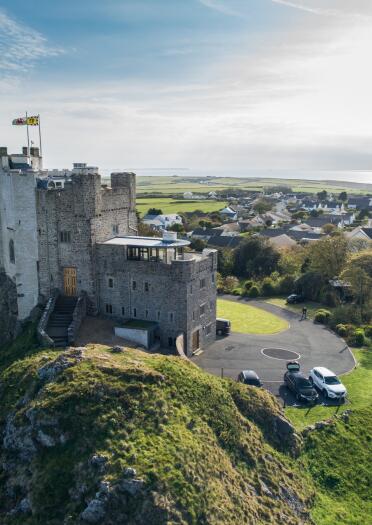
(169, 294)
(70, 222)
(18, 225)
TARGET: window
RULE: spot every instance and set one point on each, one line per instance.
(115, 229)
(58, 184)
(170, 341)
(65, 236)
(191, 289)
(202, 309)
(11, 251)
(110, 282)
(147, 314)
(193, 315)
(208, 329)
(109, 308)
(134, 285)
(134, 312)
(158, 315)
(171, 317)
(122, 310)
(147, 287)
(213, 278)
(202, 283)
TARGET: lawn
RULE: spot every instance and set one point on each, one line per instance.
(311, 306)
(246, 319)
(359, 386)
(178, 206)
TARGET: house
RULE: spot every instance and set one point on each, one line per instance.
(282, 242)
(162, 222)
(225, 241)
(229, 213)
(206, 233)
(361, 234)
(360, 203)
(230, 229)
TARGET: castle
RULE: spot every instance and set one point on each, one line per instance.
(65, 234)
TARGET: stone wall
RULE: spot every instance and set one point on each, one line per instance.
(8, 308)
(89, 213)
(170, 294)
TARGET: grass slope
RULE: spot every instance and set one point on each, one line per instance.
(247, 319)
(177, 206)
(200, 444)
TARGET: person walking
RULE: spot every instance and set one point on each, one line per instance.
(304, 313)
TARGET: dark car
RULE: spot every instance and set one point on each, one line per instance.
(249, 377)
(223, 326)
(295, 298)
(299, 384)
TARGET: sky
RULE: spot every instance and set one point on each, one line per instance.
(207, 84)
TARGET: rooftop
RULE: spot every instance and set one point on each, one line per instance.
(147, 242)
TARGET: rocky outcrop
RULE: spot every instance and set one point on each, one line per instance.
(8, 308)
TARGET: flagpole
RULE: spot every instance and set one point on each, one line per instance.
(41, 150)
(28, 136)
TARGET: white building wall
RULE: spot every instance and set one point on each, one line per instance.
(18, 222)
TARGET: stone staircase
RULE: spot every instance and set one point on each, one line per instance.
(60, 320)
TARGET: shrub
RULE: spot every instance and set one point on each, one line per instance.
(346, 314)
(286, 284)
(268, 287)
(368, 330)
(342, 330)
(357, 338)
(253, 292)
(322, 316)
(230, 283)
(248, 285)
(237, 291)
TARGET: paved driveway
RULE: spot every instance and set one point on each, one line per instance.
(314, 344)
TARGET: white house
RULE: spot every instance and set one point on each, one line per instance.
(162, 222)
(229, 213)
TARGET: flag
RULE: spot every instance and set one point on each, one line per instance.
(26, 121)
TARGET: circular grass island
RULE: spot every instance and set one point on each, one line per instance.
(247, 319)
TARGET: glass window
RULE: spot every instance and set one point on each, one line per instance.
(202, 309)
(122, 310)
(111, 282)
(109, 308)
(65, 236)
(134, 285)
(134, 312)
(11, 251)
(115, 229)
(147, 286)
(171, 317)
(202, 283)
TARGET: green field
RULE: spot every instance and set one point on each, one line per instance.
(178, 206)
(177, 185)
(247, 319)
(311, 306)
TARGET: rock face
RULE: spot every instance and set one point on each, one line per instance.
(8, 308)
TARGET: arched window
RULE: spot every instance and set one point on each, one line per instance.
(11, 251)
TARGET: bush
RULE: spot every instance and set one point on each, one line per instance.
(286, 285)
(268, 287)
(357, 338)
(342, 330)
(346, 314)
(248, 285)
(322, 316)
(237, 291)
(253, 292)
(368, 330)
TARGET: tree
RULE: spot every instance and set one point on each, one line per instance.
(314, 213)
(198, 245)
(361, 285)
(322, 195)
(343, 196)
(154, 211)
(255, 257)
(178, 228)
(225, 261)
(144, 230)
(262, 206)
(292, 260)
(328, 256)
(329, 228)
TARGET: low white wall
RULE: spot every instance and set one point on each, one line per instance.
(140, 337)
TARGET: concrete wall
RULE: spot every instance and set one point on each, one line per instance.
(18, 224)
(172, 296)
(140, 337)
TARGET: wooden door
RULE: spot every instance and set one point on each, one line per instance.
(69, 281)
(195, 340)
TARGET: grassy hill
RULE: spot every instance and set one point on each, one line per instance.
(136, 438)
(95, 436)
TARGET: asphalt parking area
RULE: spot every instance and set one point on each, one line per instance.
(309, 343)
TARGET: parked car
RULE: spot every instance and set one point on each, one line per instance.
(295, 298)
(249, 377)
(328, 383)
(223, 326)
(299, 384)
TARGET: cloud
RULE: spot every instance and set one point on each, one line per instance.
(333, 8)
(220, 6)
(20, 48)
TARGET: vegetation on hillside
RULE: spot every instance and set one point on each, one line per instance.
(95, 435)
